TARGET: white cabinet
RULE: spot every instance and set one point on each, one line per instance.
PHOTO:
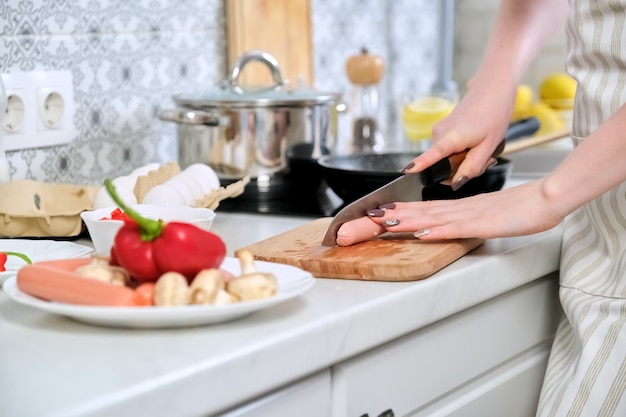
(471, 361)
(510, 390)
(486, 361)
(309, 397)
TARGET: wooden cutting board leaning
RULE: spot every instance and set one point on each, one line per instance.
(281, 28)
(397, 257)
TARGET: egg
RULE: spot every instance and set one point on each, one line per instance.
(102, 198)
(164, 195)
(204, 175)
(143, 170)
(125, 181)
(184, 189)
(192, 184)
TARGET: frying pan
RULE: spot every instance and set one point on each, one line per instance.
(353, 176)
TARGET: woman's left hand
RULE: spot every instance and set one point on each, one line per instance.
(515, 211)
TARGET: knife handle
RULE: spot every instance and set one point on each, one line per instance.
(444, 169)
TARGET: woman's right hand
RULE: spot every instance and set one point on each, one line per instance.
(477, 124)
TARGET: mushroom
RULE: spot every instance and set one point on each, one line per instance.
(224, 297)
(251, 284)
(171, 289)
(208, 287)
(100, 270)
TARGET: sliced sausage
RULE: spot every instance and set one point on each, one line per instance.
(358, 230)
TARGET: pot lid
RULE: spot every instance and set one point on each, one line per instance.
(232, 95)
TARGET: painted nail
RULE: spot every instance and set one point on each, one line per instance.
(392, 222)
(376, 213)
(408, 167)
(389, 206)
(490, 163)
(459, 182)
(421, 233)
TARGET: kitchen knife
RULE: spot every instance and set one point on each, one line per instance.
(409, 187)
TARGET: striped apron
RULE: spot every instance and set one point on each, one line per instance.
(586, 373)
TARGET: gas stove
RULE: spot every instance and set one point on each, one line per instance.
(283, 195)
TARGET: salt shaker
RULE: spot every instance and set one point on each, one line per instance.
(365, 71)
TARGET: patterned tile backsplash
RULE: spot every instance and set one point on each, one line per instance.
(128, 57)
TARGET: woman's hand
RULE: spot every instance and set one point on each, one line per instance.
(525, 209)
(486, 216)
(477, 124)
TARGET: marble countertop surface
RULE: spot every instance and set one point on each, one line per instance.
(54, 366)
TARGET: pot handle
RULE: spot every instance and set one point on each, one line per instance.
(255, 55)
(189, 116)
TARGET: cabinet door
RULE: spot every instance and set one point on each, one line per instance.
(307, 398)
(422, 367)
(510, 390)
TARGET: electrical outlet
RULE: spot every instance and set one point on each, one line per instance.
(40, 109)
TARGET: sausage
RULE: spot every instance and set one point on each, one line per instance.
(56, 281)
(146, 292)
(358, 230)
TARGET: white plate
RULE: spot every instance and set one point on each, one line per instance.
(38, 250)
(292, 282)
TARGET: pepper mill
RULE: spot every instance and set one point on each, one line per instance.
(364, 71)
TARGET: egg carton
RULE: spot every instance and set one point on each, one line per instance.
(167, 184)
(167, 172)
(38, 209)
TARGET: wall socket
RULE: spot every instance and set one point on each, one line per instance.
(40, 109)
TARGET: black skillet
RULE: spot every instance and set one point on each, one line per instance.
(353, 176)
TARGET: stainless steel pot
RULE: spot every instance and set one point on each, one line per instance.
(241, 131)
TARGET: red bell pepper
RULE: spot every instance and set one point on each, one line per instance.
(5, 255)
(149, 248)
(117, 214)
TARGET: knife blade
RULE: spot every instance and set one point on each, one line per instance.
(408, 187)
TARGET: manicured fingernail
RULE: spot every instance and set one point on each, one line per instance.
(490, 163)
(421, 233)
(459, 182)
(408, 167)
(376, 213)
(389, 206)
(392, 222)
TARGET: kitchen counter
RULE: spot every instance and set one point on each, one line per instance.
(53, 366)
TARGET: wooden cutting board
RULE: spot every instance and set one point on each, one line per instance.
(392, 257)
(279, 27)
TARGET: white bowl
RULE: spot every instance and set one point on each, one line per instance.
(102, 232)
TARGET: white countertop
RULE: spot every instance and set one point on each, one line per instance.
(53, 366)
